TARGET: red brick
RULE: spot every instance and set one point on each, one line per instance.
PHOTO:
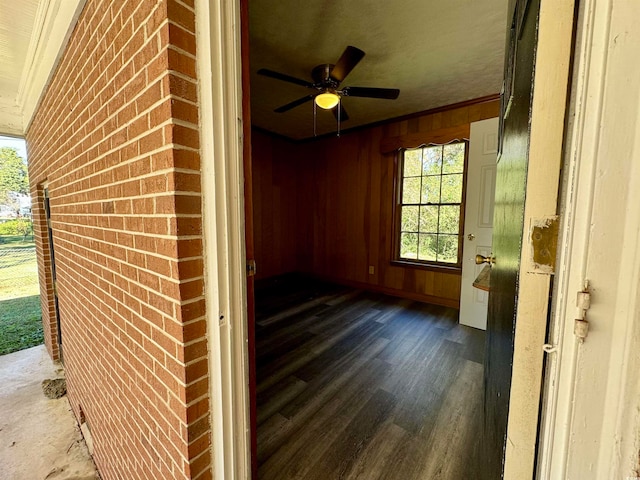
(186, 182)
(191, 289)
(191, 268)
(181, 15)
(160, 114)
(185, 226)
(184, 111)
(197, 370)
(182, 38)
(181, 88)
(117, 230)
(188, 204)
(181, 135)
(181, 63)
(195, 351)
(186, 159)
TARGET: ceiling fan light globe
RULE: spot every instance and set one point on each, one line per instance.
(327, 100)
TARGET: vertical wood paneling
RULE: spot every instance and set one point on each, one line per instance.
(275, 205)
(344, 196)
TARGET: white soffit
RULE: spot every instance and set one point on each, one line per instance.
(437, 53)
(33, 35)
(16, 25)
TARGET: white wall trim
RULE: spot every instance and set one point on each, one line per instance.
(580, 148)
(220, 90)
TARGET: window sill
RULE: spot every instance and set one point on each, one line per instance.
(453, 269)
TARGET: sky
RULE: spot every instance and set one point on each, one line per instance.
(17, 143)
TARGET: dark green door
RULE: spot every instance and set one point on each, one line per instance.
(507, 229)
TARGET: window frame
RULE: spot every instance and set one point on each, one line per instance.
(397, 213)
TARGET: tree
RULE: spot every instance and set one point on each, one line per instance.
(14, 177)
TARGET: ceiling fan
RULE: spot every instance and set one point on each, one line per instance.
(326, 81)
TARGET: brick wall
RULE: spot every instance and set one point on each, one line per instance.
(116, 140)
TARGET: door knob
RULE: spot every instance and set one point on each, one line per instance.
(490, 259)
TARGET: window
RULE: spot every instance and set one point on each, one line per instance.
(430, 206)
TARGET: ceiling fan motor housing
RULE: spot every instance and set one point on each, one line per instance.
(322, 76)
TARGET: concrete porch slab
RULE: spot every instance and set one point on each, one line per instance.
(39, 437)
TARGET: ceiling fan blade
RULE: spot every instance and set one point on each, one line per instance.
(285, 78)
(343, 113)
(295, 103)
(347, 62)
(388, 93)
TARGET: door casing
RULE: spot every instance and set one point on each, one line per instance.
(592, 403)
(547, 121)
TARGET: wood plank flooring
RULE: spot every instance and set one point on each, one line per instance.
(358, 385)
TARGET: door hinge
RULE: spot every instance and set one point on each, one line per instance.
(583, 302)
(251, 268)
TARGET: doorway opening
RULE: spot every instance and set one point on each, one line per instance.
(525, 380)
(322, 218)
(20, 308)
(52, 272)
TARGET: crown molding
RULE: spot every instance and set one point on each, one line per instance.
(53, 25)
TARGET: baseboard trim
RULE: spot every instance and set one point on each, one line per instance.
(444, 302)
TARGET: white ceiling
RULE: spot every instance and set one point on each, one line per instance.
(17, 20)
(436, 52)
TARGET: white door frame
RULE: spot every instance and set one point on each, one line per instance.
(591, 421)
(220, 98)
(607, 43)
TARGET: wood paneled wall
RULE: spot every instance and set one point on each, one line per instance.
(275, 191)
(344, 196)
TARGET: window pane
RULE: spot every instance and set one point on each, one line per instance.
(431, 189)
(432, 161)
(411, 190)
(408, 245)
(412, 163)
(449, 219)
(453, 158)
(429, 219)
(428, 247)
(448, 248)
(409, 219)
(451, 188)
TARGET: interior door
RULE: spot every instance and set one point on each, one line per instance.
(249, 241)
(478, 221)
(539, 49)
(508, 225)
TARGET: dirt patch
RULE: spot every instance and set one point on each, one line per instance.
(55, 388)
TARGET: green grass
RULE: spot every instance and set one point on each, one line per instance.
(20, 324)
(20, 315)
(18, 273)
(16, 241)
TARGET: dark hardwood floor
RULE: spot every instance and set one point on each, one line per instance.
(359, 385)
